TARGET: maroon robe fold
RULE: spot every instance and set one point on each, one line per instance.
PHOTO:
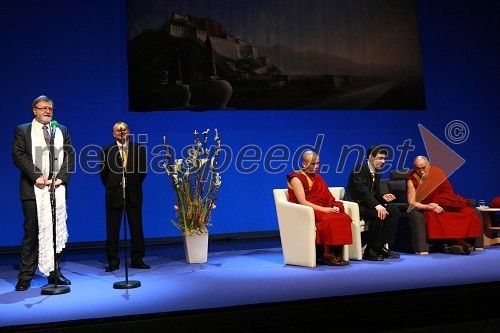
(458, 221)
(331, 229)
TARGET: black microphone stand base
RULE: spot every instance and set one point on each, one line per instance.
(55, 290)
(127, 284)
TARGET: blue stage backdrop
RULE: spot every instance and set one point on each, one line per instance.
(76, 53)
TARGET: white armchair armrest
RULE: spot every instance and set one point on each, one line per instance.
(297, 230)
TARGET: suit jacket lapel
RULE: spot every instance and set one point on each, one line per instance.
(114, 152)
(375, 186)
(28, 141)
(372, 182)
(130, 158)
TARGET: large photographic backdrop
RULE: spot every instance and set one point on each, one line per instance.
(274, 55)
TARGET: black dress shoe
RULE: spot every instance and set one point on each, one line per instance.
(372, 255)
(61, 280)
(22, 285)
(140, 265)
(112, 268)
(466, 247)
(387, 254)
(454, 249)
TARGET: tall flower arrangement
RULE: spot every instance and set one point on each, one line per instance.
(196, 182)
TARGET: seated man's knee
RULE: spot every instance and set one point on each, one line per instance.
(416, 219)
(393, 212)
(416, 215)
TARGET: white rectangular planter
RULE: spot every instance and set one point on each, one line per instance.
(196, 248)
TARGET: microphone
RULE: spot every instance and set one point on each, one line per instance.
(121, 127)
(53, 125)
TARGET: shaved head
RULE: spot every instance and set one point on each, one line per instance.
(420, 158)
(310, 161)
(308, 156)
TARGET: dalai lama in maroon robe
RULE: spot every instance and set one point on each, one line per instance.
(333, 225)
(448, 216)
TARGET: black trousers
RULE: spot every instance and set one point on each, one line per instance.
(113, 226)
(29, 246)
(380, 231)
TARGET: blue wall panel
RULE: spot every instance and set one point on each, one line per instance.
(75, 52)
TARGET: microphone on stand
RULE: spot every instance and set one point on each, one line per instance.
(53, 126)
(127, 284)
(55, 289)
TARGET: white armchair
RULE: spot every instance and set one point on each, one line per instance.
(357, 225)
(298, 229)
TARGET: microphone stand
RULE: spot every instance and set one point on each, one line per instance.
(54, 289)
(127, 284)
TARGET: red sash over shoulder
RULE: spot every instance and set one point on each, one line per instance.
(315, 189)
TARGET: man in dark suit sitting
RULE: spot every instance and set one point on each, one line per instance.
(130, 157)
(363, 187)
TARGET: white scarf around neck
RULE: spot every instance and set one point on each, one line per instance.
(41, 159)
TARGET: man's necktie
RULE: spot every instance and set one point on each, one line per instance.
(373, 180)
(124, 156)
(46, 134)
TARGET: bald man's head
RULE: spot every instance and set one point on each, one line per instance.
(310, 161)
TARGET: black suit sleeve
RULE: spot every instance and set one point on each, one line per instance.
(103, 166)
(359, 187)
(68, 165)
(362, 186)
(142, 162)
(21, 155)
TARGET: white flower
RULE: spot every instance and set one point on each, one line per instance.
(212, 163)
(218, 180)
(178, 165)
(202, 162)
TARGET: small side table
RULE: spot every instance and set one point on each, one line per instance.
(491, 233)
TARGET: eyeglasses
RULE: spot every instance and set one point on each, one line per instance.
(45, 108)
(421, 168)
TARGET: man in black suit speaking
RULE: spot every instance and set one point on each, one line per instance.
(30, 153)
(130, 157)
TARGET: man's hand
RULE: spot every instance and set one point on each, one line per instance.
(435, 208)
(40, 182)
(431, 206)
(56, 183)
(389, 197)
(331, 210)
(381, 212)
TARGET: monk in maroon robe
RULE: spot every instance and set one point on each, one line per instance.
(333, 225)
(448, 216)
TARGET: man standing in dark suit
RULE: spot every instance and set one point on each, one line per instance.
(128, 158)
(363, 187)
(30, 153)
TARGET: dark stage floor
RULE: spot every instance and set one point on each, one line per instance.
(245, 287)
